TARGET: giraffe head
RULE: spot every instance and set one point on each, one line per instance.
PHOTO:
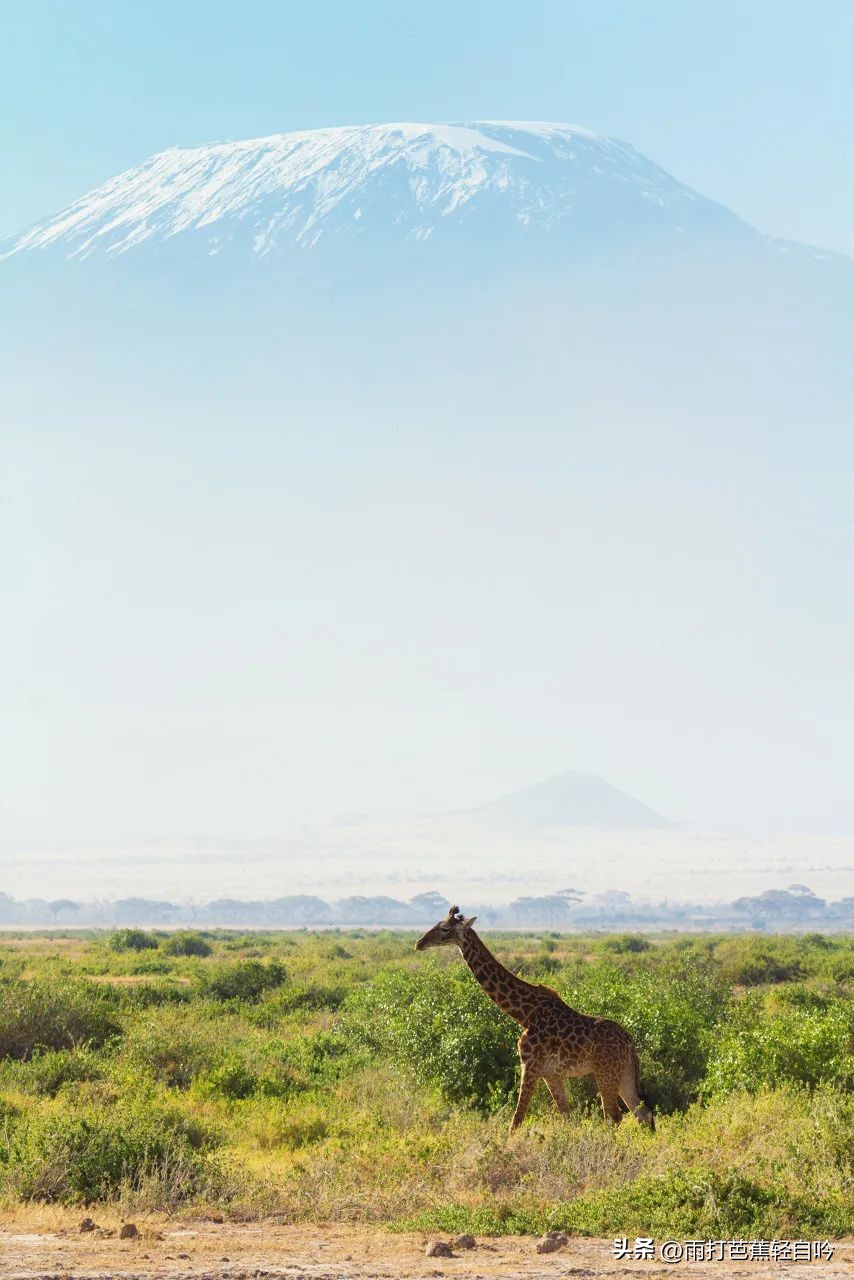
(447, 932)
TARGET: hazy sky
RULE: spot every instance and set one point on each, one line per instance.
(749, 103)
(261, 578)
(430, 566)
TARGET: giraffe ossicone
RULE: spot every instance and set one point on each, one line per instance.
(557, 1041)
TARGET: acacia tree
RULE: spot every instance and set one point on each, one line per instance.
(61, 904)
(430, 905)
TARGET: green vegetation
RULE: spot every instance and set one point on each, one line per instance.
(186, 943)
(132, 940)
(340, 1076)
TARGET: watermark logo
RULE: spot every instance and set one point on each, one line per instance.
(645, 1249)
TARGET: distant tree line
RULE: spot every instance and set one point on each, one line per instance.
(775, 909)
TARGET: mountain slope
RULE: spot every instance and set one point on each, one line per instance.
(571, 800)
(400, 181)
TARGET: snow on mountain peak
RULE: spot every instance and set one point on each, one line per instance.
(405, 178)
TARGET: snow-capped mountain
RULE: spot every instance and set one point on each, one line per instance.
(397, 181)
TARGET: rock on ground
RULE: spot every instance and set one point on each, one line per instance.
(551, 1242)
(439, 1249)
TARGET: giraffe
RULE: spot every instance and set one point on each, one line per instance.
(557, 1041)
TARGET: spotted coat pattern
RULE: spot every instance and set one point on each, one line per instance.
(557, 1041)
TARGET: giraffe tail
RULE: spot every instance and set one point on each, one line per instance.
(644, 1110)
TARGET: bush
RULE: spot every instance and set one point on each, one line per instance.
(539, 967)
(145, 995)
(231, 1078)
(287, 1126)
(770, 1040)
(441, 1026)
(244, 980)
(750, 962)
(257, 942)
(55, 1014)
(321, 1058)
(291, 1001)
(132, 940)
(249, 1070)
(49, 1070)
(186, 943)
(693, 1202)
(841, 967)
(626, 943)
(85, 1153)
(173, 1047)
(820, 941)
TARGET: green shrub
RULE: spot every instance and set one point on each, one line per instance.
(149, 965)
(540, 966)
(250, 943)
(48, 1070)
(320, 1058)
(840, 967)
(145, 995)
(230, 1078)
(186, 943)
(693, 1202)
(8, 1111)
(440, 1025)
(54, 1014)
(626, 943)
(750, 962)
(278, 1124)
(820, 941)
(244, 980)
(682, 1202)
(78, 1154)
(173, 1047)
(251, 1069)
(132, 940)
(299, 998)
(800, 1038)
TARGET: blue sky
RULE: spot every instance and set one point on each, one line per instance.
(752, 104)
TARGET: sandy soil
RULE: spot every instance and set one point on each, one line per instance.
(48, 1245)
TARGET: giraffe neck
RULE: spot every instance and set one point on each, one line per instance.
(509, 992)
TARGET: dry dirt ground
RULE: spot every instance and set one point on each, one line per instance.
(48, 1245)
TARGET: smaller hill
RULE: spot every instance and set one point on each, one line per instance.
(571, 800)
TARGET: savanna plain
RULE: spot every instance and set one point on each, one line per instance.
(338, 1087)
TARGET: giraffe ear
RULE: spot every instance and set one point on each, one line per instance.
(468, 923)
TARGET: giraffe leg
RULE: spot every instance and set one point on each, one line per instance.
(610, 1100)
(558, 1092)
(527, 1085)
(633, 1100)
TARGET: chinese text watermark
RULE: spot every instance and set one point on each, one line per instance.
(645, 1249)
